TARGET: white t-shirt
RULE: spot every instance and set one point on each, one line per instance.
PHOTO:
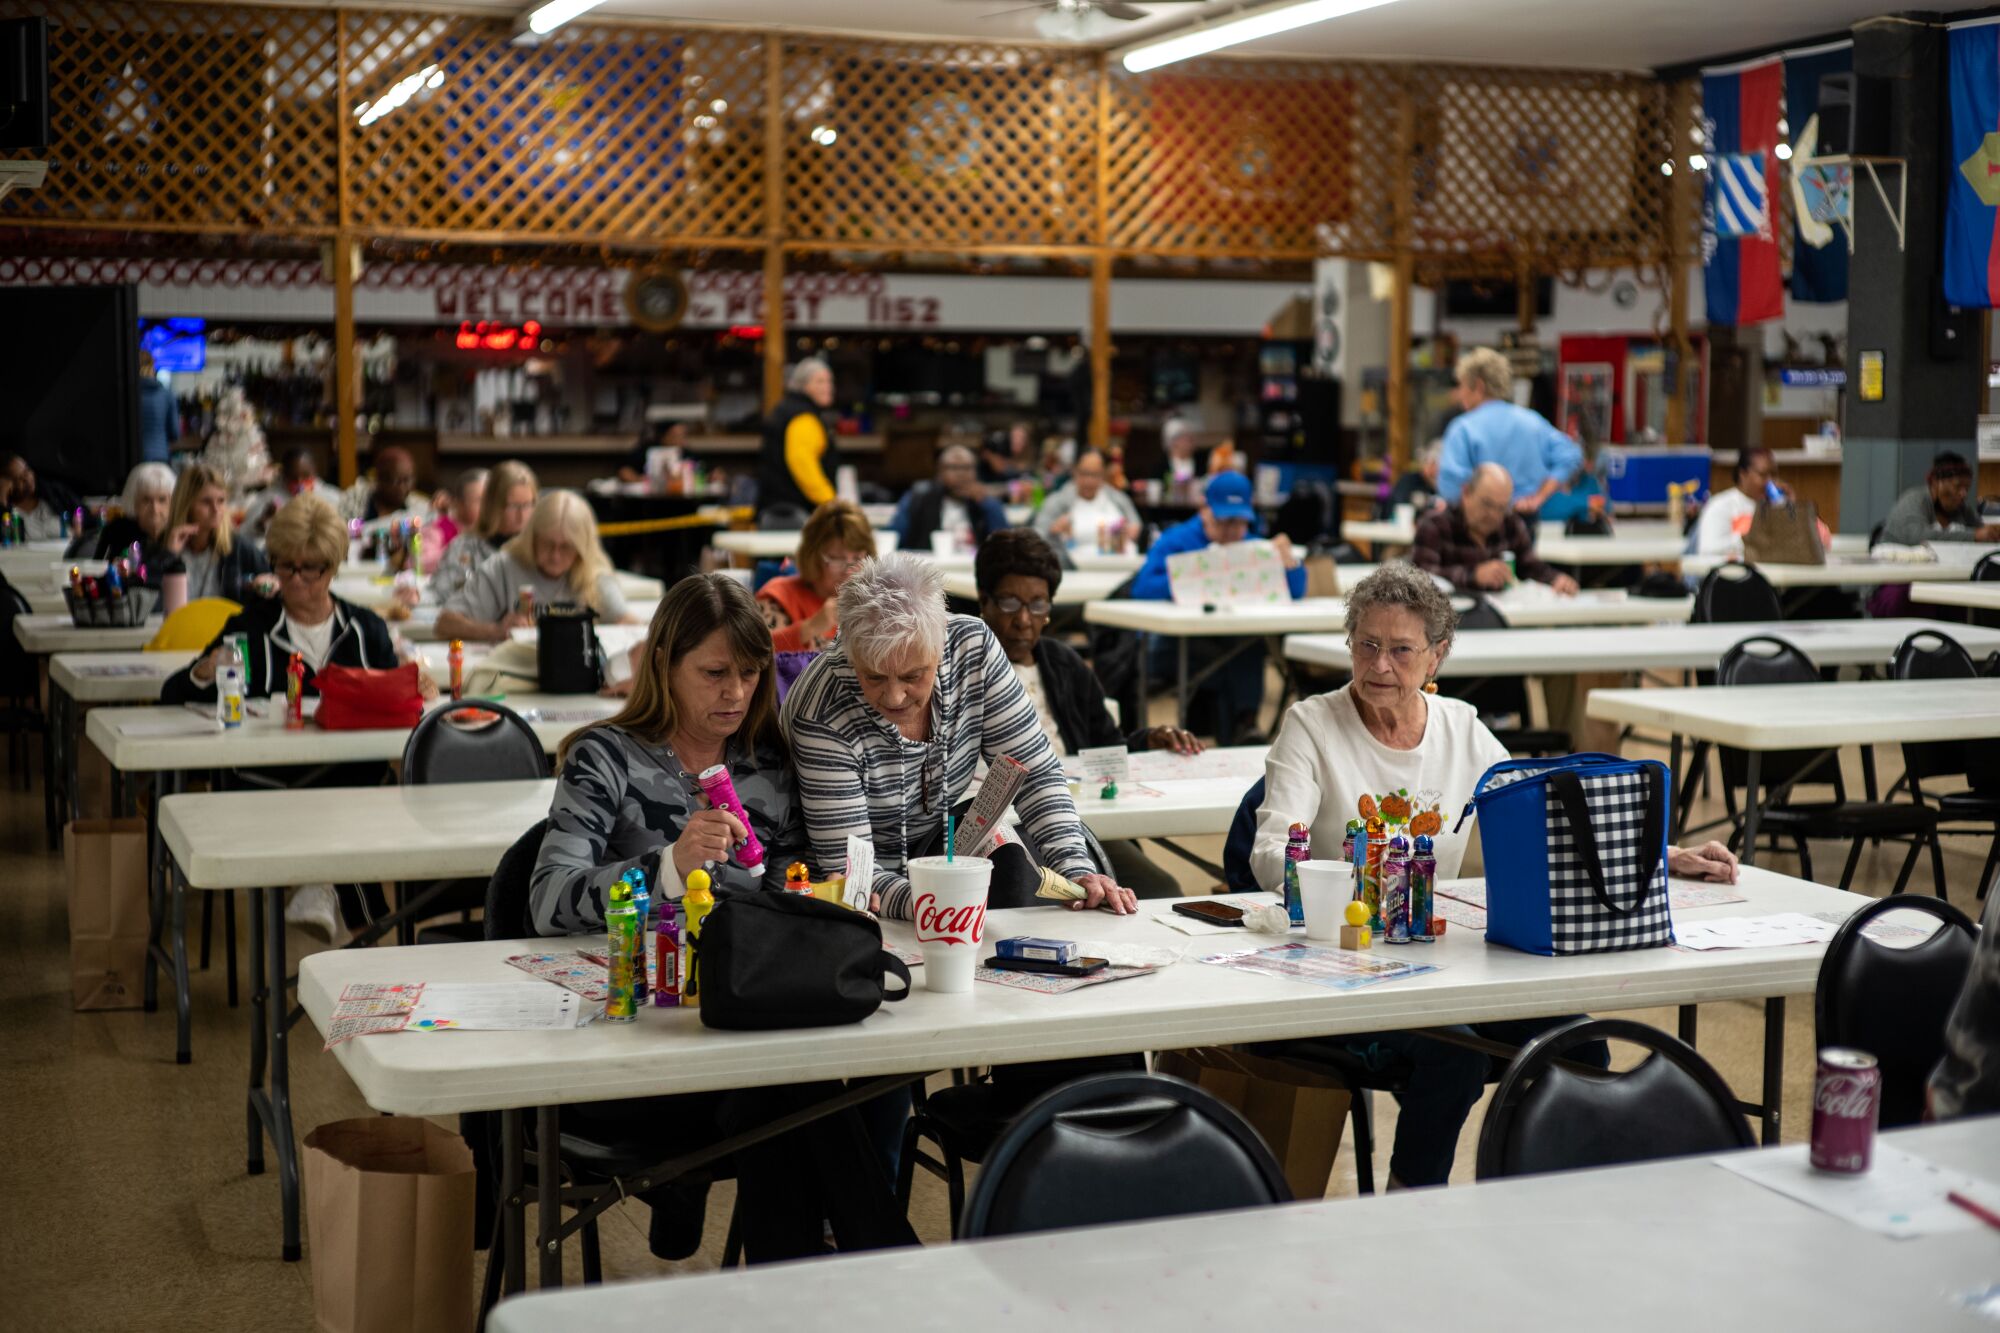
(1088, 517)
(1030, 677)
(1325, 760)
(313, 642)
(1724, 520)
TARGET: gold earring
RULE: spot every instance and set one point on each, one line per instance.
(1430, 687)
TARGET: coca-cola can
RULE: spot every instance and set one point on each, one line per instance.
(1847, 1099)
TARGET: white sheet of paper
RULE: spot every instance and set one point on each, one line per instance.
(1774, 931)
(502, 1006)
(860, 872)
(174, 724)
(1105, 764)
(1900, 1195)
(1233, 574)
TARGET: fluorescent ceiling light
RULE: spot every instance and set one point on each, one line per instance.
(545, 19)
(1246, 27)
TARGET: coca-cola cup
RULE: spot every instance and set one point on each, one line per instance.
(948, 897)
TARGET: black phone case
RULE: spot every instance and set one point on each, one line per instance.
(1193, 910)
(1076, 969)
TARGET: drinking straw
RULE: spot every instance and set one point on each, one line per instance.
(950, 843)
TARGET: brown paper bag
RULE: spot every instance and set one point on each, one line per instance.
(1298, 1114)
(1786, 534)
(105, 861)
(389, 1219)
(1322, 576)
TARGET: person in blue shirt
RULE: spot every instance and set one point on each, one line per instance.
(1235, 689)
(1492, 429)
(159, 416)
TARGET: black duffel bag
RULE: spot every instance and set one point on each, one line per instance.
(787, 960)
(568, 658)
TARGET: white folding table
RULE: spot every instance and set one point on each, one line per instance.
(1189, 1004)
(1546, 652)
(1722, 1254)
(1843, 571)
(1626, 544)
(1822, 715)
(1979, 596)
(1079, 586)
(174, 741)
(57, 633)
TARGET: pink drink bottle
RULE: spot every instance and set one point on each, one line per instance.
(715, 784)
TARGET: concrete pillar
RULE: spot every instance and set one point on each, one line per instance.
(1931, 376)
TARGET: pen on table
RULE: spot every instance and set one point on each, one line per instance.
(1980, 1211)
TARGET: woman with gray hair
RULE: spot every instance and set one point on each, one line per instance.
(888, 726)
(144, 505)
(1386, 732)
(798, 455)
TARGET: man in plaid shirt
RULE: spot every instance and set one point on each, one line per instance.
(1466, 542)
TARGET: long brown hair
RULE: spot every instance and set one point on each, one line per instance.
(696, 607)
(503, 478)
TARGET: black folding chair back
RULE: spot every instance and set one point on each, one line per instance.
(1987, 571)
(1547, 1118)
(1764, 659)
(1733, 594)
(1892, 1002)
(1120, 1148)
(1502, 696)
(1929, 655)
(453, 744)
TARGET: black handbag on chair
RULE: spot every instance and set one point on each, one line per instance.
(786, 960)
(568, 658)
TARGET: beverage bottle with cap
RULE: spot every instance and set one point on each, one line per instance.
(295, 693)
(1423, 890)
(229, 695)
(696, 904)
(457, 659)
(642, 902)
(621, 955)
(1396, 892)
(667, 956)
(1298, 847)
(1369, 845)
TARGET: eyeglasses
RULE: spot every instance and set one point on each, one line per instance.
(1013, 606)
(844, 562)
(1367, 650)
(285, 569)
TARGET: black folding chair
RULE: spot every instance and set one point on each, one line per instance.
(1929, 655)
(1893, 1002)
(1545, 1118)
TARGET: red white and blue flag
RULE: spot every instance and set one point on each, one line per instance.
(1739, 242)
(1971, 231)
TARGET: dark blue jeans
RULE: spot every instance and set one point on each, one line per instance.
(1236, 689)
(1445, 1084)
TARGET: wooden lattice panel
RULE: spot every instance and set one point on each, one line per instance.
(938, 145)
(1562, 168)
(186, 117)
(1252, 158)
(597, 132)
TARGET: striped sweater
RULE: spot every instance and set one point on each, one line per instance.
(858, 776)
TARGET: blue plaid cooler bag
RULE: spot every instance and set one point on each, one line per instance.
(1576, 853)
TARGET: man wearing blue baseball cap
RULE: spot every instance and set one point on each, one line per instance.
(1236, 686)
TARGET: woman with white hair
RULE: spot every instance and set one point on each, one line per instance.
(144, 507)
(888, 726)
(799, 455)
(557, 558)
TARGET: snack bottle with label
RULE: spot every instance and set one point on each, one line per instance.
(696, 904)
(621, 955)
(457, 660)
(1298, 847)
(229, 695)
(1396, 892)
(667, 957)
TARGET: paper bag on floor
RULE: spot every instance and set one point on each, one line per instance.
(389, 1220)
(104, 861)
(1298, 1114)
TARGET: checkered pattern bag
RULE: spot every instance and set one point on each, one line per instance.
(1576, 854)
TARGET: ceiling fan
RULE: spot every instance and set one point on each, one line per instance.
(1111, 9)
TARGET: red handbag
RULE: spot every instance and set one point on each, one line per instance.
(365, 699)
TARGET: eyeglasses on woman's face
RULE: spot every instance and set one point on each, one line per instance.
(1401, 655)
(1014, 606)
(291, 569)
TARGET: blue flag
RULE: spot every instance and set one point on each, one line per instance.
(1971, 234)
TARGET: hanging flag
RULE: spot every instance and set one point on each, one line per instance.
(1971, 233)
(1819, 259)
(1740, 245)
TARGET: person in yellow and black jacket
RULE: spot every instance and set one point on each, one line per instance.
(798, 459)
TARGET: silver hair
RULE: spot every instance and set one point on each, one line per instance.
(1488, 369)
(890, 604)
(1430, 453)
(145, 479)
(805, 370)
(1402, 587)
